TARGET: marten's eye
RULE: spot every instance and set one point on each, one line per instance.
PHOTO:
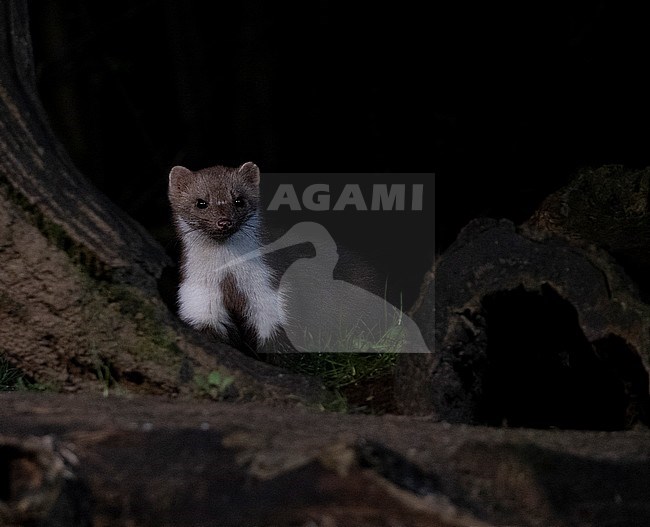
(239, 202)
(201, 204)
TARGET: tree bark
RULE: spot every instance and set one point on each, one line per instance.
(80, 306)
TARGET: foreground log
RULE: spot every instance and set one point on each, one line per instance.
(118, 462)
(530, 330)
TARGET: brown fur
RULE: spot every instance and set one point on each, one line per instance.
(242, 334)
(218, 186)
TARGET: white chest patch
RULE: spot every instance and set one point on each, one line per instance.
(205, 267)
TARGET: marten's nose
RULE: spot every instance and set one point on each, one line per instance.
(224, 224)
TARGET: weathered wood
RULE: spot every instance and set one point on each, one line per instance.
(143, 461)
(609, 207)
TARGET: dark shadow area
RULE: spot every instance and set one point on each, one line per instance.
(504, 106)
(19, 474)
(542, 372)
(35, 489)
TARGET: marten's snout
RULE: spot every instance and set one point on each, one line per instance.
(224, 224)
(222, 228)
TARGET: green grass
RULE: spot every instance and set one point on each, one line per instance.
(13, 379)
(338, 370)
(214, 385)
(348, 360)
(105, 376)
(10, 377)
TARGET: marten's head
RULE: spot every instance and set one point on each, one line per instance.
(217, 201)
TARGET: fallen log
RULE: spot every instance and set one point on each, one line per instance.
(135, 461)
(528, 329)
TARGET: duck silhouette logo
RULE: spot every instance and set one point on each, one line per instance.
(330, 315)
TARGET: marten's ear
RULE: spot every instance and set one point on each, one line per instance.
(250, 173)
(179, 178)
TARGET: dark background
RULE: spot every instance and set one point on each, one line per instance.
(503, 103)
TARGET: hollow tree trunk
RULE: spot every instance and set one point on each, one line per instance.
(79, 300)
